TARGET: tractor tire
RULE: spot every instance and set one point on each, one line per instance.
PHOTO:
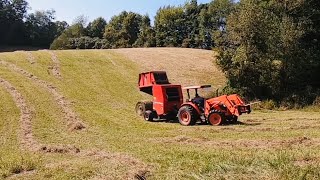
(234, 120)
(187, 116)
(216, 119)
(149, 115)
(142, 107)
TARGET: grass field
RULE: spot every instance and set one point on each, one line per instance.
(70, 115)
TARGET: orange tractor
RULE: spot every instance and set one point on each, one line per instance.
(168, 103)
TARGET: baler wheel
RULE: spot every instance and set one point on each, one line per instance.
(216, 119)
(140, 108)
(149, 115)
(186, 116)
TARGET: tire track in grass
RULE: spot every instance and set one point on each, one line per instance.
(137, 170)
(55, 68)
(30, 57)
(72, 119)
(26, 136)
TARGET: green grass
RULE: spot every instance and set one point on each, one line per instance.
(268, 145)
(12, 159)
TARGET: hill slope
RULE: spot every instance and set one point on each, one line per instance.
(184, 66)
(70, 115)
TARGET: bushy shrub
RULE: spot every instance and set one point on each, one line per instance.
(268, 104)
(80, 43)
(316, 102)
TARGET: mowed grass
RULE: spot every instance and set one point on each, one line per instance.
(102, 85)
(12, 159)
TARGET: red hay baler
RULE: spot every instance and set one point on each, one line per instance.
(168, 103)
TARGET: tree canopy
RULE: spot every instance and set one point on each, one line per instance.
(19, 28)
(271, 50)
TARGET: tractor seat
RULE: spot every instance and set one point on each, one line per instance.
(199, 101)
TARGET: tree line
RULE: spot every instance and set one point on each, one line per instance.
(18, 28)
(191, 26)
(268, 49)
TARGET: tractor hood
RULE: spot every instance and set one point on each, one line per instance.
(233, 104)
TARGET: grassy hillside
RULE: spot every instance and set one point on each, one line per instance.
(83, 126)
(184, 66)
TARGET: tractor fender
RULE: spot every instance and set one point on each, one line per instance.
(192, 105)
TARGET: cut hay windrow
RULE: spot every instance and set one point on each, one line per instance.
(30, 57)
(55, 68)
(26, 137)
(72, 119)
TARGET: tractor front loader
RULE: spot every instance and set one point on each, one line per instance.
(215, 111)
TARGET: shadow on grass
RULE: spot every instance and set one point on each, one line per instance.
(18, 48)
(176, 121)
(244, 124)
(165, 121)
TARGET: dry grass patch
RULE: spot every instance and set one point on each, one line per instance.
(184, 66)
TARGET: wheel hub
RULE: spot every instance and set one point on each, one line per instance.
(215, 119)
(185, 116)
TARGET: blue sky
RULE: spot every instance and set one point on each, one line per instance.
(68, 10)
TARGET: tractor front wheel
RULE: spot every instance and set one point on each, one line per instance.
(234, 120)
(216, 119)
(186, 116)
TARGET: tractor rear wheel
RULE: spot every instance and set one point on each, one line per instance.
(216, 119)
(186, 116)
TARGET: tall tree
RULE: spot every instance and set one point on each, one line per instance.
(218, 11)
(205, 29)
(61, 26)
(170, 26)
(191, 12)
(74, 31)
(123, 30)
(41, 29)
(146, 37)
(96, 27)
(12, 14)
